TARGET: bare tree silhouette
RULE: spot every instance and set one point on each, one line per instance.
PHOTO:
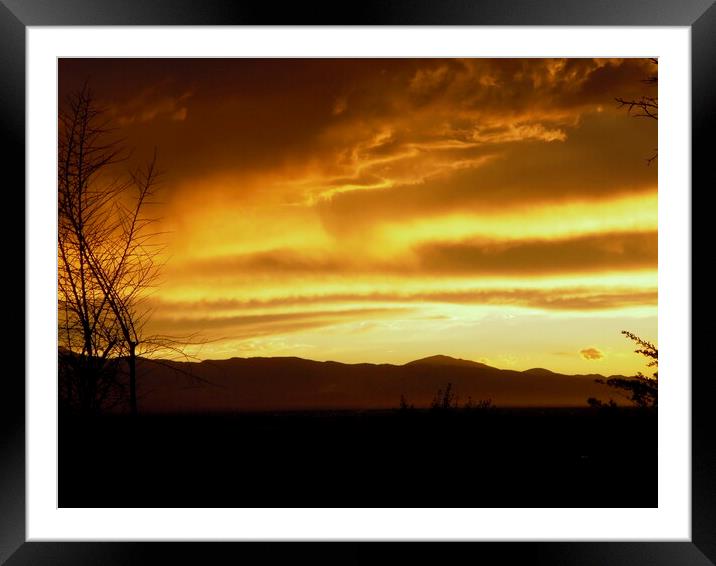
(108, 252)
(125, 267)
(644, 106)
(88, 333)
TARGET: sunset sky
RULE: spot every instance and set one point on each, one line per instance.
(383, 210)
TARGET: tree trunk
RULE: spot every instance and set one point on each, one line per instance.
(133, 378)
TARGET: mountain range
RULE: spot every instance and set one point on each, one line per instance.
(290, 383)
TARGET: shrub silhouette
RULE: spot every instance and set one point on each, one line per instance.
(595, 403)
(447, 400)
(480, 405)
(640, 389)
(404, 406)
(444, 400)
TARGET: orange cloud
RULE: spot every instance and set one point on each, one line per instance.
(584, 253)
(600, 159)
(305, 196)
(379, 117)
(560, 299)
(242, 326)
(592, 354)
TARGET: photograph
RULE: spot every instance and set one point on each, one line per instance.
(357, 282)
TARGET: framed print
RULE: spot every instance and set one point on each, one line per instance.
(397, 278)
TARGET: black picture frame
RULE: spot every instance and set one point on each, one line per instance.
(16, 15)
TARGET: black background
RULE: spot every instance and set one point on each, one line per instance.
(16, 14)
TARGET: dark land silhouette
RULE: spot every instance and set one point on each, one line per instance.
(288, 432)
(287, 383)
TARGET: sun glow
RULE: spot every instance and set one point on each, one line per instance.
(384, 210)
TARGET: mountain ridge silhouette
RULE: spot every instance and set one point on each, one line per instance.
(293, 383)
(440, 359)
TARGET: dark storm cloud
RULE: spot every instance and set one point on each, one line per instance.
(597, 161)
(601, 252)
(248, 117)
(244, 115)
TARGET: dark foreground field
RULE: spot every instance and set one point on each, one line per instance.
(502, 458)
